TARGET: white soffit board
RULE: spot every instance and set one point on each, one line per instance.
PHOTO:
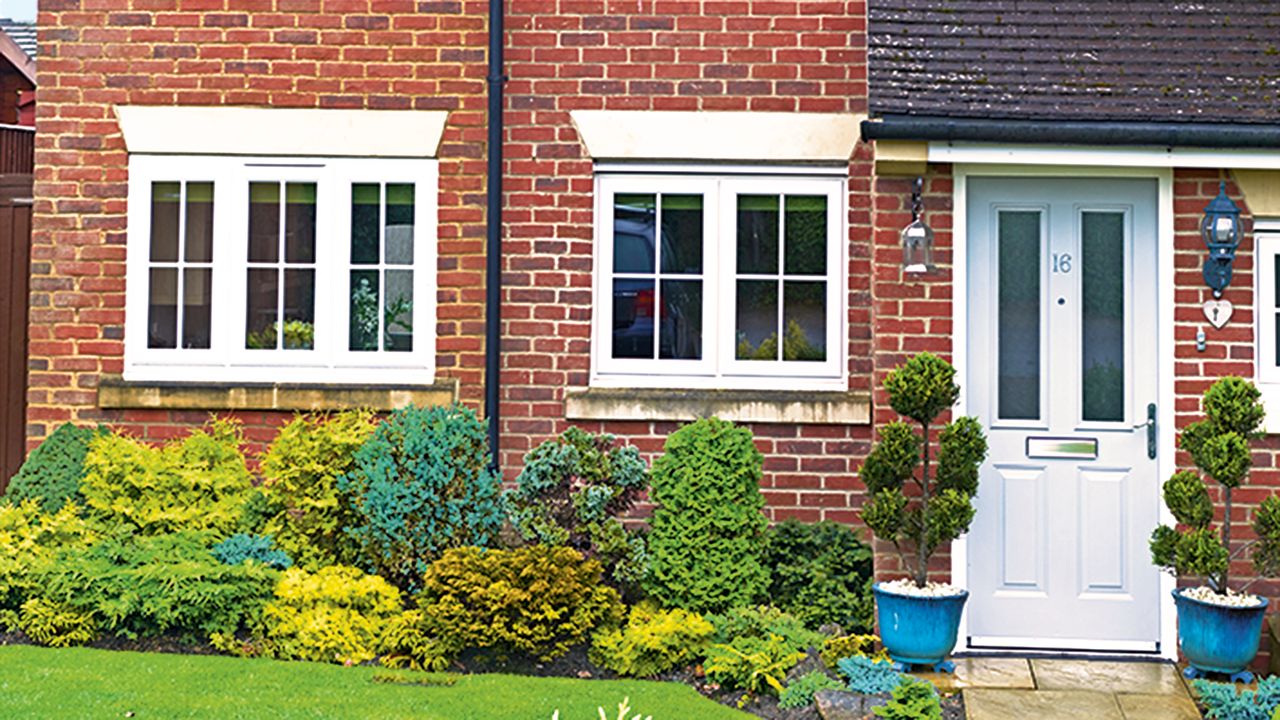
(281, 131)
(1103, 156)
(725, 136)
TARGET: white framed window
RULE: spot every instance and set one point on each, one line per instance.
(271, 269)
(1267, 302)
(733, 281)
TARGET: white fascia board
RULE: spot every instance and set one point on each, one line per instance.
(718, 136)
(1103, 156)
(293, 132)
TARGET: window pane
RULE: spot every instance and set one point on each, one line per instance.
(365, 305)
(757, 325)
(365, 206)
(632, 318)
(1019, 315)
(397, 316)
(1102, 315)
(806, 235)
(165, 197)
(263, 309)
(199, 240)
(162, 310)
(300, 223)
(197, 306)
(299, 309)
(682, 234)
(264, 222)
(633, 221)
(680, 334)
(757, 234)
(399, 235)
(1276, 305)
(805, 317)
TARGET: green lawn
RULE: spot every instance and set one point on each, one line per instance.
(84, 683)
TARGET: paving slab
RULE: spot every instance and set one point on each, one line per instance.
(1157, 707)
(993, 672)
(1143, 678)
(992, 704)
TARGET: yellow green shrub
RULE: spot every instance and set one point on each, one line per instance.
(197, 483)
(56, 624)
(28, 542)
(838, 648)
(336, 614)
(653, 641)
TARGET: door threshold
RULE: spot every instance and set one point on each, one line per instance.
(1085, 655)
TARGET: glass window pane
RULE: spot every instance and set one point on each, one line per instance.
(197, 307)
(757, 322)
(199, 240)
(632, 318)
(365, 207)
(682, 234)
(299, 309)
(1019, 315)
(633, 221)
(162, 310)
(399, 234)
(300, 223)
(165, 197)
(264, 222)
(1102, 315)
(806, 235)
(365, 305)
(757, 234)
(804, 314)
(397, 316)
(262, 309)
(680, 333)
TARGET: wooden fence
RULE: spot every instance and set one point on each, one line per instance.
(16, 166)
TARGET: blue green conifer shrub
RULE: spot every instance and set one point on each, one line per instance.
(1225, 701)
(242, 547)
(51, 474)
(869, 676)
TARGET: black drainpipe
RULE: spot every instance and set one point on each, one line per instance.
(493, 231)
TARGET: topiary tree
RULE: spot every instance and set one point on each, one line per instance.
(422, 485)
(573, 491)
(51, 474)
(922, 389)
(705, 547)
(1219, 447)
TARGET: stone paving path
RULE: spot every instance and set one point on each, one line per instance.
(1021, 689)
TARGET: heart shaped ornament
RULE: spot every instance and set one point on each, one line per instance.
(1218, 312)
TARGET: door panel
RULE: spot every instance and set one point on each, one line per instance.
(1062, 364)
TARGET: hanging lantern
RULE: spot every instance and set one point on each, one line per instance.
(1220, 231)
(917, 238)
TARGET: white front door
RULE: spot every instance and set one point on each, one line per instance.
(1062, 371)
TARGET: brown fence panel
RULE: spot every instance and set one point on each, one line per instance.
(15, 262)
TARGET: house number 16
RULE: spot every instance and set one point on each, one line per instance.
(1061, 263)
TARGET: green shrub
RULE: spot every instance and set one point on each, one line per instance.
(653, 641)
(922, 389)
(158, 585)
(869, 676)
(912, 700)
(761, 622)
(336, 614)
(56, 624)
(821, 573)
(1227, 701)
(29, 542)
(422, 485)
(573, 491)
(197, 483)
(838, 648)
(307, 514)
(799, 692)
(753, 664)
(536, 601)
(409, 641)
(242, 547)
(51, 474)
(708, 525)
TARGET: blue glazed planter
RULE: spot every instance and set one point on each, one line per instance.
(919, 630)
(1216, 638)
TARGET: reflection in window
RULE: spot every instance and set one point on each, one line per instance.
(381, 275)
(281, 271)
(180, 265)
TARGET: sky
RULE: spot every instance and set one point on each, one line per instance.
(18, 9)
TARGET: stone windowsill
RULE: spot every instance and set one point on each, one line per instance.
(114, 393)
(763, 406)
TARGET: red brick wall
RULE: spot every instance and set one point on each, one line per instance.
(95, 54)
(662, 55)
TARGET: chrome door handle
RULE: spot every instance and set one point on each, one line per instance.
(1150, 425)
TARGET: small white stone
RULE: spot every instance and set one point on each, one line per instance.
(1230, 599)
(908, 587)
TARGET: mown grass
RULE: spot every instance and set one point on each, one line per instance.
(87, 683)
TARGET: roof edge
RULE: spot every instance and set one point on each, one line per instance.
(1072, 132)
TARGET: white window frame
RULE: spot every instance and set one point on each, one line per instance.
(718, 368)
(227, 359)
(1266, 247)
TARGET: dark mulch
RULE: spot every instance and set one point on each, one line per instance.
(173, 645)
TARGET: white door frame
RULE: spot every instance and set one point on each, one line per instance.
(1165, 353)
